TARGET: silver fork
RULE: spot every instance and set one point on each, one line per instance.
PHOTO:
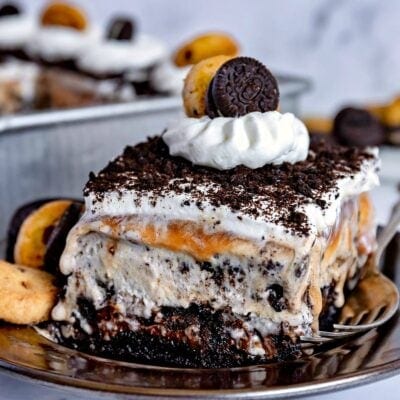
(374, 300)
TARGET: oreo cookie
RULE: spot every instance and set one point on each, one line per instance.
(121, 29)
(357, 127)
(242, 85)
(56, 242)
(9, 9)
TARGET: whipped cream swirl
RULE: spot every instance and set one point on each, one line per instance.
(253, 140)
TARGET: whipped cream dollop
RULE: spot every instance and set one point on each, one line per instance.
(253, 140)
(58, 43)
(118, 56)
(16, 31)
(168, 78)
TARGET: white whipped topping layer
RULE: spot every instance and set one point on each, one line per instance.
(253, 140)
(348, 186)
(114, 56)
(58, 43)
(16, 31)
(168, 78)
(167, 207)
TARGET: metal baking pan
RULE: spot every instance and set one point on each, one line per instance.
(291, 88)
(51, 154)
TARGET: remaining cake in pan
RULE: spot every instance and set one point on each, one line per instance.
(123, 56)
(67, 61)
(63, 34)
(222, 241)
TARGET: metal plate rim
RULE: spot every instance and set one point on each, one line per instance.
(72, 384)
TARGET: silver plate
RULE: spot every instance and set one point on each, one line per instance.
(371, 357)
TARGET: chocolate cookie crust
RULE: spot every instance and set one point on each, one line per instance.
(272, 193)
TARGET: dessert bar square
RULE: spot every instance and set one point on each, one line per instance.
(190, 265)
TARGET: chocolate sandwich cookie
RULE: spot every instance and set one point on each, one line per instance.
(121, 29)
(242, 85)
(8, 10)
(357, 127)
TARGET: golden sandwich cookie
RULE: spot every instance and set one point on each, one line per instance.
(196, 85)
(63, 14)
(205, 46)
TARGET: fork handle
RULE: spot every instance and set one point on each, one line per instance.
(388, 231)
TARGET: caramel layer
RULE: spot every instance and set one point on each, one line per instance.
(187, 237)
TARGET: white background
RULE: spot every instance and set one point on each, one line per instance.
(350, 48)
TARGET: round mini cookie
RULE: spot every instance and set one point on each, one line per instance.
(243, 85)
(27, 294)
(63, 14)
(196, 85)
(205, 46)
(357, 127)
(121, 29)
